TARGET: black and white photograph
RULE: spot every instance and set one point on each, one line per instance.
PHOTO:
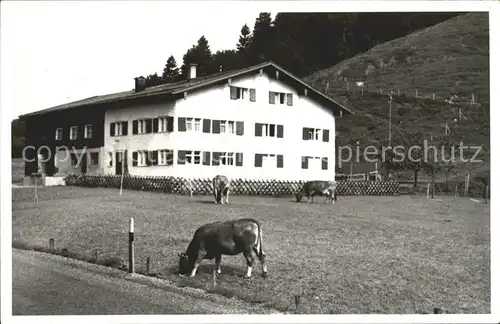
(226, 159)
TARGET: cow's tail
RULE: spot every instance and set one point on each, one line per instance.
(260, 248)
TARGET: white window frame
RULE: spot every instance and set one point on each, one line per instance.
(118, 128)
(141, 126)
(71, 137)
(141, 158)
(88, 131)
(314, 134)
(197, 125)
(227, 158)
(227, 127)
(162, 124)
(266, 130)
(267, 159)
(162, 157)
(191, 157)
(59, 132)
(189, 124)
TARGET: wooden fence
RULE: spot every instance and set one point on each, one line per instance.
(176, 185)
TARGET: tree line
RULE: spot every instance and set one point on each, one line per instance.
(302, 43)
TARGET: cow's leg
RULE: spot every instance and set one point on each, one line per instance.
(196, 264)
(309, 199)
(250, 260)
(227, 195)
(218, 259)
(215, 195)
(262, 259)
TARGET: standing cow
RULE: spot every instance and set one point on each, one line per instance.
(221, 188)
(224, 238)
(312, 188)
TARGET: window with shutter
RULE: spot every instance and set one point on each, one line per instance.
(206, 125)
(252, 95)
(289, 99)
(239, 159)
(305, 162)
(258, 129)
(272, 97)
(125, 128)
(181, 124)
(155, 122)
(170, 124)
(326, 135)
(279, 161)
(170, 157)
(112, 129)
(280, 131)
(233, 93)
(324, 163)
(240, 128)
(134, 158)
(258, 160)
(305, 133)
(181, 157)
(206, 158)
(215, 158)
(216, 126)
(134, 127)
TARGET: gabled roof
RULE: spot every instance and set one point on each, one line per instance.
(175, 88)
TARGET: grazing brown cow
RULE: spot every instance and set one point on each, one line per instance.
(224, 238)
(312, 188)
(221, 188)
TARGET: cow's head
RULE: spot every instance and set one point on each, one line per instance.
(184, 265)
(298, 196)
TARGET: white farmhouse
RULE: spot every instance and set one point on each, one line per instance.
(256, 123)
(259, 122)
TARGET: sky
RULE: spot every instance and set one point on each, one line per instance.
(59, 52)
(54, 52)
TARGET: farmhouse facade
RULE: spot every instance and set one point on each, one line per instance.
(259, 122)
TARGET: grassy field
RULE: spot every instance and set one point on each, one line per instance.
(361, 255)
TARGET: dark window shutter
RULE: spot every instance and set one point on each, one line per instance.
(239, 159)
(279, 160)
(326, 135)
(233, 92)
(206, 158)
(181, 122)
(272, 130)
(216, 126)
(134, 158)
(215, 158)
(170, 124)
(181, 157)
(280, 131)
(272, 97)
(240, 128)
(155, 125)
(154, 157)
(206, 125)
(289, 99)
(149, 158)
(258, 129)
(305, 133)
(125, 128)
(252, 95)
(324, 163)
(148, 126)
(305, 162)
(134, 127)
(125, 162)
(258, 160)
(170, 157)
(112, 129)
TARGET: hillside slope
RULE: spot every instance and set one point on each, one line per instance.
(421, 69)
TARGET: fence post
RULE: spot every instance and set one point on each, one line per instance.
(428, 184)
(148, 265)
(131, 263)
(52, 246)
(456, 188)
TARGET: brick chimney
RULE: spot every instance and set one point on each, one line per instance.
(192, 71)
(140, 83)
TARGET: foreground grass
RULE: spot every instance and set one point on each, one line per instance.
(361, 255)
